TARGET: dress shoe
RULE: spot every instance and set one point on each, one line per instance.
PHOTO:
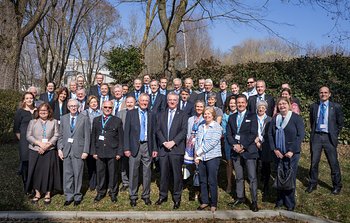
(98, 198)
(114, 198)
(176, 205)
(336, 191)
(67, 203)
(76, 203)
(202, 207)
(161, 200)
(237, 202)
(133, 202)
(290, 209)
(124, 188)
(310, 188)
(278, 205)
(147, 201)
(254, 207)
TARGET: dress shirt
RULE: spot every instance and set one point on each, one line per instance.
(146, 120)
(325, 120)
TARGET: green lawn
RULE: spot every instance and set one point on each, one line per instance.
(319, 203)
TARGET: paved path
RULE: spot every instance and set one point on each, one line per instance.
(159, 215)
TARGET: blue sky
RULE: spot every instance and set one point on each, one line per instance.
(307, 24)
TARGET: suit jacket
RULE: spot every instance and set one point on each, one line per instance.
(166, 92)
(80, 136)
(112, 145)
(294, 133)
(56, 109)
(193, 97)
(270, 102)
(265, 152)
(132, 94)
(159, 104)
(335, 121)
(247, 133)
(94, 91)
(178, 131)
(143, 89)
(219, 102)
(45, 98)
(35, 132)
(132, 132)
(188, 109)
(201, 96)
(70, 95)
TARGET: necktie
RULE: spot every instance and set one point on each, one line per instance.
(116, 108)
(105, 118)
(321, 117)
(99, 90)
(103, 98)
(171, 116)
(223, 97)
(50, 97)
(239, 121)
(206, 98)
(143, 126)
(72, 124)
(153, 98)
(183, 105)
(137, 94)
(146, 89)
(260, 98)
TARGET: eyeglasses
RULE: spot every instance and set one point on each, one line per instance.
(105, 107)
(72, 106)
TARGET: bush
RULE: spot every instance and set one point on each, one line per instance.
(9, 100)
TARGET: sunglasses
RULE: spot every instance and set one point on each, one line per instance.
(250, 82)
(107, 107)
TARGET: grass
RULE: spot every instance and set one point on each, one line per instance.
(320, 203)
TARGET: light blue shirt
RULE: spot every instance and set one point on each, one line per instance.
(325, 121)
(146, 120)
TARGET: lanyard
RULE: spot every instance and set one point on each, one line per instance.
(261, 124)
(60, 105)
(104, 123)
(240, 118)
(43, 124)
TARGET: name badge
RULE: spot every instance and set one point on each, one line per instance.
(45, 140)
(247, 120)
(70, 140)
(238, 137)
(59, 122)
(323, 126)
(101, 138)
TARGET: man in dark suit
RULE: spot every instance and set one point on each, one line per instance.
(222, 95)
(327, 120)
(34, 91)
(80, 82)
(49, 95)
(105, 95)
(186, 105)
(96, 89)
(260, 88)
(146, 88)
(73, 147)
(189, 85)
(138, 146)
(137, 89)
(177, 84)
(163, 86)
(201, 83)
(242, 129)
(107, 148)
(171, 135)
(157, 100)
(208, 86)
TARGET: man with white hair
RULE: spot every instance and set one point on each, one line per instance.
(208, 86)
(189, 85)
(177, 84)
(34, 91)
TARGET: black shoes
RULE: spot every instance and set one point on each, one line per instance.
(133, 203)
(77, 203)
(176, 205)
(237, 202)
(311, 188)
(114, 198)
(254, 207)
(67, 203)
(336, 190)
(98, 198)
(161, 200)
(147, 201)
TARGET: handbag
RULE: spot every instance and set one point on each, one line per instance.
(284, 179)
(196, 177)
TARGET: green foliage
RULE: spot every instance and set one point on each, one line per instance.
(125, 63)
(305, 75)
(9, 101)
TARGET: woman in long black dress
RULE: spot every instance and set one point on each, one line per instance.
(43, 172)
(60, 105)
(22, 118)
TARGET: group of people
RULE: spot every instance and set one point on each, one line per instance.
(119, 131)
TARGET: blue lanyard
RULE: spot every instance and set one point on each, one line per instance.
(104, 123)
(261, 123)
(60, 105)
(44, 129)
(240, 118)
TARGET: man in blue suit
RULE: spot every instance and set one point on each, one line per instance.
(242, 129)
(327, 120)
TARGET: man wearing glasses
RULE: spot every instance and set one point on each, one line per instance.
(106, 147)
(73, 147)
(251, 90)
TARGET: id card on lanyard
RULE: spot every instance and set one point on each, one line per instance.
(102, 137)
(44, 140)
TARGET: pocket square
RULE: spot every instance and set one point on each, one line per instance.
(247, 120)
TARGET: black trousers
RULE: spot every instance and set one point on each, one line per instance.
(107, 176)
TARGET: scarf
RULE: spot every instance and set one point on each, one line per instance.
(280, 137)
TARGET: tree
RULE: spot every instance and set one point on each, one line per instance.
(15, 24)
(125, 63)
(97, 29)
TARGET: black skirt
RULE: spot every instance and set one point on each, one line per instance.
(44, 172)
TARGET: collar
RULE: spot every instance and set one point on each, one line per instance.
(242, 113)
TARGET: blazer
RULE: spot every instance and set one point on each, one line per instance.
(270, 102)
(112, 145)
(159, 104)
(45, 98)
(193, 97)
(219, 102)
(132, 132)
(201, 96)
(335, 121)
(294, 133)
(189, 108)
(247, 133)
(35, 132)
(132, 94)
(56, 109)
(80, 136)
(265, 151)
(94, 91)
(178, 131)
